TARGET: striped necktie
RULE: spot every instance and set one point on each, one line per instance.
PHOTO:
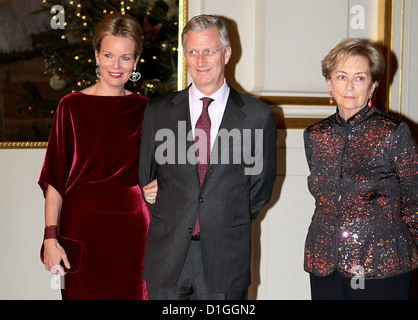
(202, 145)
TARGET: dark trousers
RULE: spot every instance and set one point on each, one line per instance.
(191, 284)
(338, 287)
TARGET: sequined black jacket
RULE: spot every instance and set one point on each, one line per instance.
(364, 178)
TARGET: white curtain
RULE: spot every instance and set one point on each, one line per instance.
(17, 23)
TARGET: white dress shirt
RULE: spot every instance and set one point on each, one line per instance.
(216, 108)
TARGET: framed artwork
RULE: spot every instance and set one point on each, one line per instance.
(53, 55)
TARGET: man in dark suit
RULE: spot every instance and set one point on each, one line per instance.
(212, 152)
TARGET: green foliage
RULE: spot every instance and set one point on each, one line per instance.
(69, 55)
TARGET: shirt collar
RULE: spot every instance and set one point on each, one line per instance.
(220, 96)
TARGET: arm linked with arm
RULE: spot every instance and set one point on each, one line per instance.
(148, 167)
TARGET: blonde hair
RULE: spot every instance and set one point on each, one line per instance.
(121, 25)
(349, 47)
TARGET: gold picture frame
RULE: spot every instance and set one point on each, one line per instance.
(181, 81)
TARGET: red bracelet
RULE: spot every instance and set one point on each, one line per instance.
(50, 232)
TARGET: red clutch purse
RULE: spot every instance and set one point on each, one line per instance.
(76, 253)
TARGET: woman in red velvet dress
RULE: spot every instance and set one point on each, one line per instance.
(89, 176)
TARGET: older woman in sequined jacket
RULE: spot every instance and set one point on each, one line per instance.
(364, 177)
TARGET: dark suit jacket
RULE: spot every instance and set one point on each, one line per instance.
(228, 200)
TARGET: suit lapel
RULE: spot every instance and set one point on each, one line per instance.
(232, 117)
(180, 107)
(233, 113)
(180, 112)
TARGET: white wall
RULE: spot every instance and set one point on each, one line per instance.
(282, 42)
(279, 233)
(405, 47)
(22, 275)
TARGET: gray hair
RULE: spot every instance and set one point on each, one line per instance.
(352, 46)
(204, 22)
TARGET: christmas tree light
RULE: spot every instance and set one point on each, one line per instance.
(71, 60)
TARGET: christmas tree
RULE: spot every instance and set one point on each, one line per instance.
(68, 55)
(68, 52)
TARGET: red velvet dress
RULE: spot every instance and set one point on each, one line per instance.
(92, 161)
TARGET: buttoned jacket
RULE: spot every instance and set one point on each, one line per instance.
(364, 178)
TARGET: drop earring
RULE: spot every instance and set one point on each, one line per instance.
(330, 99)
(97, 71)
(135, 76)
(370, 100)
